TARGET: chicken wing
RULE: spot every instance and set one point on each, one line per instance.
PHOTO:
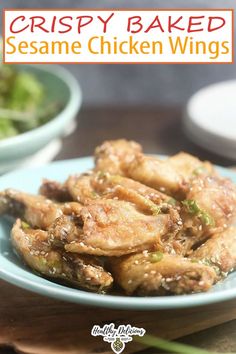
(171, 175)
(156, 173)
(80, 271)
(219, 251)
(123, 188)
(34, 209)
(91, 186)
(80, 187)
(210, 206)
(113, 155)
(155, 273)
(113, 228)
(189, 166)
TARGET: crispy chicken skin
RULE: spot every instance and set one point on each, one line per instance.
(219, 251)
(114, 228)
(189, 166)
(210, 206)
(34, 209)
(112, 156)
(80, 187)
(124, 188)
(172, 175)
(80, 271)
(65, 229)
(154, 273)
(76, 188)
(156, 173)
(92, 186)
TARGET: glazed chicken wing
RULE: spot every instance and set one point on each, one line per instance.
(170, 176)
(210, 206)
(34, 209)
(80, 187)
(155, 273)
(123, 188)
(156, 173)
(114, 228)
(189, 166)
(76, 188)
(112, 156)
(80, 271)
(219, 251)
(100, 185)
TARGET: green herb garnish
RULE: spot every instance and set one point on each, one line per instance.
(193, 208)
(25, 225)
(172, 201)
(199, 170)
(156, 257)
(169, 346)
(207, 219)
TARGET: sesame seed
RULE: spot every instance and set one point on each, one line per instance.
(145, 253)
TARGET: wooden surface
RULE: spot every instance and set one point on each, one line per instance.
(30, 323)
(34, 324)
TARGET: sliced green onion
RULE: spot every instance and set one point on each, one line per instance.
(169, 346)
(172, 201)
(25, 225)
(193, 208)
(156, 257)
(199, 170)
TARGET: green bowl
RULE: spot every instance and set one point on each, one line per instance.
(61, 86)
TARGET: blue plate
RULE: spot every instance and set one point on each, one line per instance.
(13, 271)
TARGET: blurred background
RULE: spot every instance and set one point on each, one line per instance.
(140, 102)
(139, 84)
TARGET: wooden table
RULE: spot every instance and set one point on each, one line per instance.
(30, 323)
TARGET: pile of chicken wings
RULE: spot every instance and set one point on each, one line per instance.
(135, 224)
